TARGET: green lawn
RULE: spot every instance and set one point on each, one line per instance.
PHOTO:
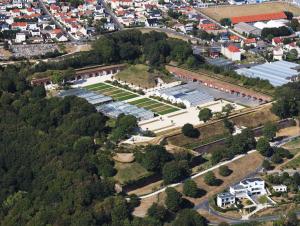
(154, 106)
(115, 92)
(293, 164)
(129, 172)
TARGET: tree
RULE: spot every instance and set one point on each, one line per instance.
(158, 212)
(189, 131)
(210, 179)
(229, 125)
(266, 165)
(292, 219)
(289, 15)
(292, 55)
(125, 126)
(263, 146)
(175, 171)
(154, 157)
(205, 114)
(38, 92)
(227, 109)
(269, 130)
(276, 159)
(217, 155)
(224, 171)
(173, 200)
(225, 22)
(190, 188)
(188, 217)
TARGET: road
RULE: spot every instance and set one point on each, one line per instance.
(115, 19)
(196, 175)
(46, 11)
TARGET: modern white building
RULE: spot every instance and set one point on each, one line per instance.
(245, 189)
(225, 199)
(280, 188)
(249, 187)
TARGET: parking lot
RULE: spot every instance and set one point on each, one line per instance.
(154, 106)
(116, 93)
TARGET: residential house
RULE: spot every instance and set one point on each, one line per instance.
(20, 37)
(278, 53)
(280, 188)
(231, 52)
(225, 199)
(249, 187)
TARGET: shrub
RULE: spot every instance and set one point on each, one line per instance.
(189, 131)
(224, 171)
(190, 188)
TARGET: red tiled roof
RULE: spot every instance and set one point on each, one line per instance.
(277, 40)
(250, 40)
(19, 24)
(233, 49)
(259, 17)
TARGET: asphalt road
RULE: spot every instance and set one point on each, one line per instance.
(46, 11)
(115, 19)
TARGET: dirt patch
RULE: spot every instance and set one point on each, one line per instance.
(257, 118)
(248, 10)
(207, 134)
(124, 157)
(239, 173)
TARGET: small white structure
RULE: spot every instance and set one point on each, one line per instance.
(278, 53)
(249, 187)
(225, 199)
(20, 37)
(280, 188)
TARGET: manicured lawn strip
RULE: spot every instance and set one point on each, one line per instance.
(114, 92)
(123, 94)
(102, 88)
(160, 108)
(167, 111)
(126, 97)
(149, 104)
(140, 101)
(146, 103)
(96, 86)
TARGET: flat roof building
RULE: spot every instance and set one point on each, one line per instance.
(114, 109)
(247, 29)
(189, 94)
(89, 96)
(277, 73)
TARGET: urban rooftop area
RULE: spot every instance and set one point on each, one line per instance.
(149, 112)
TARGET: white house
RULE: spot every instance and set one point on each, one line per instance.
(225, 199)
(231, 52)
(61, 37)
(278, 53)
(249, 187)
(20, 37)
(280, 188)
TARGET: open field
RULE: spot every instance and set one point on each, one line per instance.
(248, 10)
(140, 75)
(115, 92)
(154, 106)
(212, 132)
(129, 172)
(239, 172)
